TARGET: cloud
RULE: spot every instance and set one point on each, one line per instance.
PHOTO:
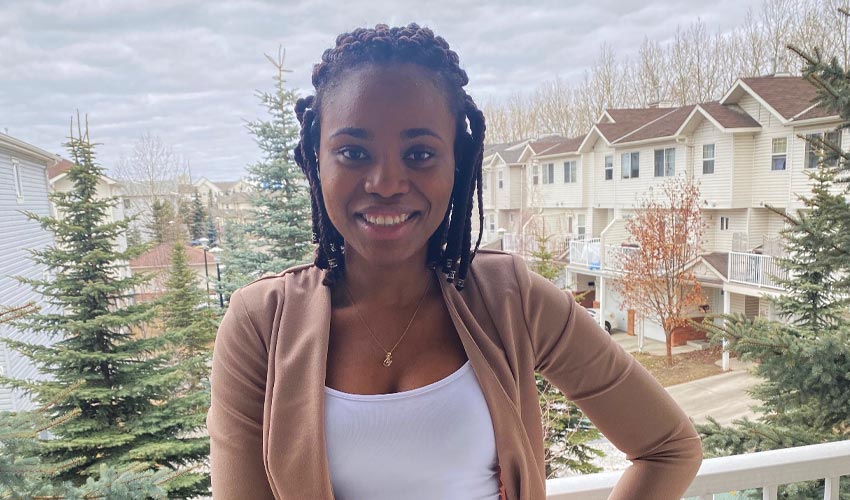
(187, 70)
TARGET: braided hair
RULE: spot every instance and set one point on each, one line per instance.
(451, 244)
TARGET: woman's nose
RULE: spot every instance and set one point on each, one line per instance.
(387, 178)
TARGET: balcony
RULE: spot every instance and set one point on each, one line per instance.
(586, 252)
(616, 255)
(717, 476)
(755, 270)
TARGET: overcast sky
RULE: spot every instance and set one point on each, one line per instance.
(186, 70)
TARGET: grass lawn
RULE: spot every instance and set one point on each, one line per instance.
(686, 367)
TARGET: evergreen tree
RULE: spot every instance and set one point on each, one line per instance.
(566, 431)
(129, 409)
(187, 314)
(239, 262)
(210, 231)
(197, 218)
(162, 221)
(805, 357)
(282, 227)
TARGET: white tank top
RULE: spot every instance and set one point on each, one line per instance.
(431, 442)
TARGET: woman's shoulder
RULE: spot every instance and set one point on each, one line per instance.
(274, 286)
(498, 268)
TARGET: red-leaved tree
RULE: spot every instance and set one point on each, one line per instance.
(658, 279)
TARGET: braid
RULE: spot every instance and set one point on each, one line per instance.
(450, 245)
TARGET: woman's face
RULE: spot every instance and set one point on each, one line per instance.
(386, 161)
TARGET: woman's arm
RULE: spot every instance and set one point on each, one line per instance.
(235, 417)
(619, 396)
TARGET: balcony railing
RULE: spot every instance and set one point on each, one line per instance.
(755, 269)
(615, 256)
(586, 252)
(765, 470)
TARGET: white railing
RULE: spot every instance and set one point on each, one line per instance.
(766, 470)
(615, 256)
(755, 269)
(586, 252)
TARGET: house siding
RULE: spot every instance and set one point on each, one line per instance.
(20, 235)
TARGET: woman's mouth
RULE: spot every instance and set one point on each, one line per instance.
(387, 226)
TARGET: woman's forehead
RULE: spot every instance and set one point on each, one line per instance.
(401, 92)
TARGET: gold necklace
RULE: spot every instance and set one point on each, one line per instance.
(389, 358)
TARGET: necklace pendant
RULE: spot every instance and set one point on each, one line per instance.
(389, 359)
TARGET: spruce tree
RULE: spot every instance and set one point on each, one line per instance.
(197, 218)
(805, 357)
(130, 412)
(281, 202)
(239, 261)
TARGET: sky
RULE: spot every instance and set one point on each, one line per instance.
(187, 71)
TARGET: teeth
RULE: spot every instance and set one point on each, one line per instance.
(387, 220)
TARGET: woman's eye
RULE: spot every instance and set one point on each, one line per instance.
(419, 156)
(353, 154)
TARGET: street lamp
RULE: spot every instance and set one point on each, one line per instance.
(204, 246)
(215, 251)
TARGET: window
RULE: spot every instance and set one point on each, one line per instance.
(500, 178)
(630, 165)
(814, 153)
(126, 203)
(16, 175)
(491, 222)
(780, 152)
(708, 158)
(535, 174)
(580, 225)
(570, 172)
(548, 173)
(724, 223)
(484, 177)
(665, 162)
(609, 167)
(511, 218)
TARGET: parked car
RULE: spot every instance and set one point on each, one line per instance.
(595, 313)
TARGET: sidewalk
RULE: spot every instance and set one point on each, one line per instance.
(650, 346)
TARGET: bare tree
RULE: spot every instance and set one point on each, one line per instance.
(152, 173)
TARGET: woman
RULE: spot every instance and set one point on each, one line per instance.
(394, 366)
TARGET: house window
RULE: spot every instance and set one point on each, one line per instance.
(535, 174)
(491, 222)
(708, 158)
(813, 152)
(779, 153)
(484, 177)
(126, 203)
(16, 175)
(500, 178)
(581, 229)
(609, 167)
(548, 173)
(630, 165)
(665, 162)
(570, 172)
(724, 223)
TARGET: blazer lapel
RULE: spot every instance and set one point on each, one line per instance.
(294, 450)
(508, 428)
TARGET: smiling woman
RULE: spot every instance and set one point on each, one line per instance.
(394, 367)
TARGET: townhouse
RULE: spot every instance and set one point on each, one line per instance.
(746, 152)
(23, 187)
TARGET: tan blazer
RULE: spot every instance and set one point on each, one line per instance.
(266, 418)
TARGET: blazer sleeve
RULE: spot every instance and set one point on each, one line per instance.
(620, 397)
(235, 417)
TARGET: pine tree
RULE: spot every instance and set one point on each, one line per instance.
(162, 221)
(282, 227)
(566, 431)
(239, 262)
(187, 314)
(129, 410)
(805, 357)
(197, 218)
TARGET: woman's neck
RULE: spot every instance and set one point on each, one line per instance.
(393, 285)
